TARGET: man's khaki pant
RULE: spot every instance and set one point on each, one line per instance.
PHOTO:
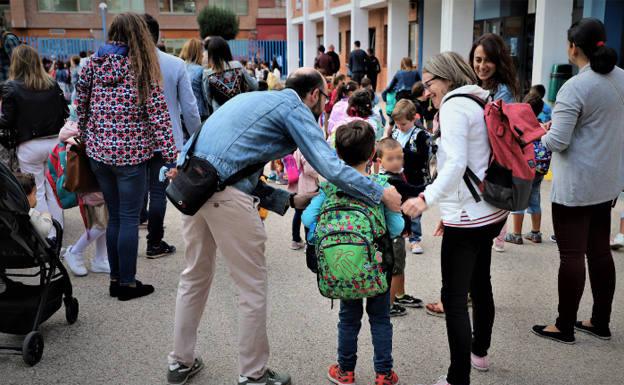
(229, 221)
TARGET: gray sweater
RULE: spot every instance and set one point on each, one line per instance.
(587, 139)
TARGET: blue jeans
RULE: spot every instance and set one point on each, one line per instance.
(535, 197)
(157, 200)
(349, 324)
(416, 234)
(123, 188)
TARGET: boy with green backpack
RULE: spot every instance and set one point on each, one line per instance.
(347, 235)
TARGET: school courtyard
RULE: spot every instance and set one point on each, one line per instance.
(127, 342)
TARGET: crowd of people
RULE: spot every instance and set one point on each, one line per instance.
(142, 115)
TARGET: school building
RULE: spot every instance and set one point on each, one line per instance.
(535, 30)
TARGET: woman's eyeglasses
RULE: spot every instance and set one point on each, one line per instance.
(427, 84)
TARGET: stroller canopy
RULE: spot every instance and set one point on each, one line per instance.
(12, 197)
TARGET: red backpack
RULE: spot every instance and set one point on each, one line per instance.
(512, 128)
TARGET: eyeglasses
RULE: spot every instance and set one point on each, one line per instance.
(427, 84)
(323, 93)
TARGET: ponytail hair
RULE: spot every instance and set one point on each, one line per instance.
(344, 89)
(590, 36)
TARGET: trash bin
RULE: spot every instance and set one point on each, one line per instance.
(560, 74)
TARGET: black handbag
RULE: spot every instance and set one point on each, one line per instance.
(198, 180)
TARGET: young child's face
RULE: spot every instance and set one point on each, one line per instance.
(404, 124)
(32, 198)
(392, 160)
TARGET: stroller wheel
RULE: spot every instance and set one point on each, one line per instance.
(71, 310)
(32, 348)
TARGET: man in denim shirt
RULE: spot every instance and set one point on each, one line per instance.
(253, 128)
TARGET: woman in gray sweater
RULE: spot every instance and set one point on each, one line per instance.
(586, 139)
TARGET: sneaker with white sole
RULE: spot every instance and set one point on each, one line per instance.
(179, 374)
(100, 265)
(416, 248)
(499, 246)
(297, 245)
(75, 262)
(618, 242)
(270, 377)
(481, 364)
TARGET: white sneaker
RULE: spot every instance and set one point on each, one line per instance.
(75, 262)
(416, 248)
(618, 242)
(499, 246)
(100, 265)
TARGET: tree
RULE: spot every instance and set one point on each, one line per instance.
(215, 21)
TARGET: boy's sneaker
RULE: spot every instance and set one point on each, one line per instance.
(397, 310)
(179, 374)
(340, 377)
(75, 262)
(482, 364)
(270, 377)
(390, 378)
(416, 248)
(100, 265)
(516, 239)
(602, 333)
(159, 250)
(618, 242)
(535, 237)
(408, 301)
(297, 245)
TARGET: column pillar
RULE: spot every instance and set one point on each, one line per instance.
(292, 40)
(359, 25)
(398, 34)
(330, 27)
(431, 20)
(309, 36)
(552, 20)
(457, 26)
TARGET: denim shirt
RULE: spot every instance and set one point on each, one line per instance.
(257, 127)
(195, 73)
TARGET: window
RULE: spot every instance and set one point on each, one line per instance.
(118, 6)
(177, 6)
(297, 4)
(371, 38)
(413, 41)
(65, 5)
(239, 7)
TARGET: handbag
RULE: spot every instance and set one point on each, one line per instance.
(198, 180)
(79, 177)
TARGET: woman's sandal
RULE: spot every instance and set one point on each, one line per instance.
(435, 309)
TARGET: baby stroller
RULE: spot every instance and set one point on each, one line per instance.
(23, 307)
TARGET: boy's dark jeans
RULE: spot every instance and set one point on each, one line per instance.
(122, 187)
(584, 231)
(466, 257)
(350, 322)
(157, 200)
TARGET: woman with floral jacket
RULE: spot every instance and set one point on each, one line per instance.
(123, 119)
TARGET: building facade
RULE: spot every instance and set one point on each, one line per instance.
(535, 30)
(259, 19)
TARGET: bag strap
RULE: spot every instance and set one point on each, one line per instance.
(476, 99)
(469, 177)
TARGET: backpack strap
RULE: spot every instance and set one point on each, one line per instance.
(469, 177)
(482, 103)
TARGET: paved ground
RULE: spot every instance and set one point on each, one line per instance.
(127, 342)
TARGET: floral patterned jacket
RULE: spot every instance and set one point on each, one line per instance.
(115, 129)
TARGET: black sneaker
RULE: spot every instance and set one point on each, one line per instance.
(602, 333)
(408, 301)
(397, 310)
(179, 374)
(127, 293)
(160, 250)
(564, 338)
(113, 289)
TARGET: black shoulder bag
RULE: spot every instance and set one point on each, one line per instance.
(198, 180)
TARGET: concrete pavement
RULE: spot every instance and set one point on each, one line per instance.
(127, 342)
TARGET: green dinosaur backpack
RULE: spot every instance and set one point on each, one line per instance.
(347, 235)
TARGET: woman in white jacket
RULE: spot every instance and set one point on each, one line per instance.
(467, 227)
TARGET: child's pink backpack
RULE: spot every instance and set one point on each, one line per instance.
(291, 169)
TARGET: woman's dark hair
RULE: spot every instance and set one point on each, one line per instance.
(355, 142)
(498, 52)
(219, 53)
(534, 99)
(360, 104)
(590, 36)
(343, 90)
(274, 65)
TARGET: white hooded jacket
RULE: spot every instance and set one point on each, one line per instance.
(463, 143)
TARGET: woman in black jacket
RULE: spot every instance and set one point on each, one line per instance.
(33, 112)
